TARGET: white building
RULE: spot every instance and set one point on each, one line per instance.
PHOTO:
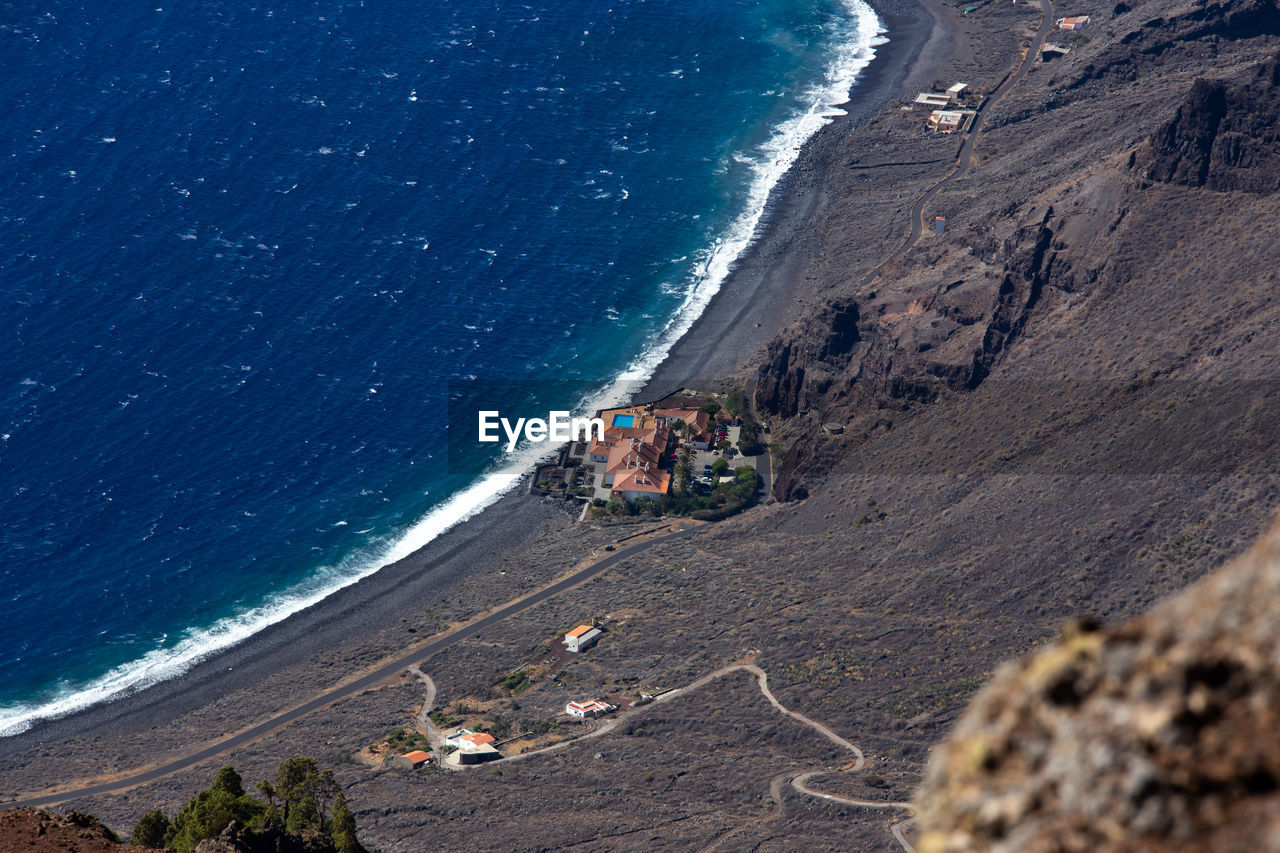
(933, 99)
(581, 638)
(590, 708)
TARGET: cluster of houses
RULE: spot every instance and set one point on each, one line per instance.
(945, 118)
(470, 747)
(1050, 52)
(635, 440)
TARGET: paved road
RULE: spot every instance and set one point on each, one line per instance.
(369, 679)
(965, 159)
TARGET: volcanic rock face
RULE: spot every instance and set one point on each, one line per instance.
(1225, 136)
(1159, 735)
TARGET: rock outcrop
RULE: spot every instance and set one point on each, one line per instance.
(1225, 136)
(1157, 735)
(31, 830)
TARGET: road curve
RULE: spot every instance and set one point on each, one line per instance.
(370, 678)
(798, 780)
(899, 831)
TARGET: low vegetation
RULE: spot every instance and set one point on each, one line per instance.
(403, 740)
(302, 799)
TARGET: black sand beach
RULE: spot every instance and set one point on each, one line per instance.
(515, 544)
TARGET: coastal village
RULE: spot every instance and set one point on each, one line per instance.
(698, 693)
(953, 109)
(693, 453)
(682, 455)
(478, 730)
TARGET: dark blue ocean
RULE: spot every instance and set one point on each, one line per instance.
(245, 247)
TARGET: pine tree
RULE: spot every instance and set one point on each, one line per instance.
(343, 827)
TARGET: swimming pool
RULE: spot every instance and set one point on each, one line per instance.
(624, 420)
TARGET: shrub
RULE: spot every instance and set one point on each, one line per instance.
(150, 830)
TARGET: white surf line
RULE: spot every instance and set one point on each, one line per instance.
(778, 154)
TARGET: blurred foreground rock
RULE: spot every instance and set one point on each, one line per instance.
(1163, 734)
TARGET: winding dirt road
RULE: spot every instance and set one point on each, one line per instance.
(776, 785)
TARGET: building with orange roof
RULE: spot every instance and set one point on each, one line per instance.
(581, 638)
(472, 748)
(408, 761)
(629, 456)
(697, 423)
(475, 739)
(631, 449)
(623, 426)
(642, 483)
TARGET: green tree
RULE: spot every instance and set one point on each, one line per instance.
(228, 780)
(712, 408)
(683, 473)
(207, 813)
(151, 830)
(719, 467)
(733, 402)
(305, 792)
(749, 437)
(342, 828)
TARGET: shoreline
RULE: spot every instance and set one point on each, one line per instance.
(757, 300)
(761, 297)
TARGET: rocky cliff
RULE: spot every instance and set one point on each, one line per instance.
(1109, 155)
(1225, 135)
(1156, 735)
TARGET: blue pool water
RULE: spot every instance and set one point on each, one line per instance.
(624, 421)
(247, 248)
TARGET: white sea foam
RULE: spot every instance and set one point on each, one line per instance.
(768, 165)
(711, 269)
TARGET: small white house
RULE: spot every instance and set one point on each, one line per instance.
(591, 708)
(581, 638)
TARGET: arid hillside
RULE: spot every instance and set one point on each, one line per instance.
(1064, 405)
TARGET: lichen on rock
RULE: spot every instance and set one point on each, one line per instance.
(1157, 735)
